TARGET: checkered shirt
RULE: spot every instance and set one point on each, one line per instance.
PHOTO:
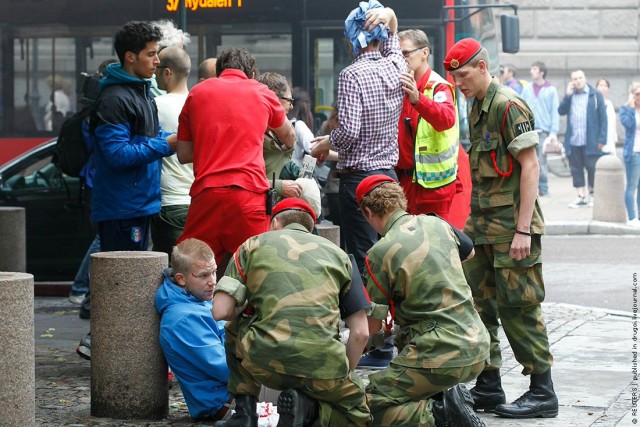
(369, 105)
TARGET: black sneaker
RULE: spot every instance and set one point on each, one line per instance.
(84, 348)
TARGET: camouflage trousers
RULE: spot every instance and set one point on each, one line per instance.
(399, 396)
(509, 292)
(342, 401)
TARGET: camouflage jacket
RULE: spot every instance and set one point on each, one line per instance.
(417, 265)
(293, 281)
(495, 199)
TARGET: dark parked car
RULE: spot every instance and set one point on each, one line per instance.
(58, 223)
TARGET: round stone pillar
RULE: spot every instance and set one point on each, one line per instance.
(128, 369)
(330, 232)
(17, 356)
(13, 246)
(608, 190)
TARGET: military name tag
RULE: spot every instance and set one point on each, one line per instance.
(523, 127)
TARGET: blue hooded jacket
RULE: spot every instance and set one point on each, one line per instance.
(129, 147)
(193, 344)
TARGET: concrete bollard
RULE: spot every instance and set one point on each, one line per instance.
(17, 357)
(608, 197)
(330, 232)
(128, 369)
(13, 246)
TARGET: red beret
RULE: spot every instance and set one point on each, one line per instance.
(293, 203)
(461, 53)
(370, 183)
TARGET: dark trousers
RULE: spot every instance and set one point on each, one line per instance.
(579, 160)
(124, 234)
(358, 234)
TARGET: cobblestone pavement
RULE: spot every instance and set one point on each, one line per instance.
(591, 372)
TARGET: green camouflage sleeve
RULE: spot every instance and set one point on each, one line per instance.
(519, 128)
(377, 287)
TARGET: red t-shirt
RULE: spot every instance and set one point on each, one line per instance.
(226, 118)
(441, 115)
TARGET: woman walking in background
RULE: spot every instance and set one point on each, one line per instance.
(603, 86)
(630, 119)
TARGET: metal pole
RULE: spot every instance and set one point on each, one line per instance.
(182, 15)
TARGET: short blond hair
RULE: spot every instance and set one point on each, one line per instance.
(187, 253)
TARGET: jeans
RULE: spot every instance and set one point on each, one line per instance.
(579, 160)
(81, 281)
(543, 181)
(631, 193)
(358, 234)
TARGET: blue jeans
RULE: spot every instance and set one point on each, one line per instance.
(81, 281)
(358, 234)
(543, 181)
(631, 193)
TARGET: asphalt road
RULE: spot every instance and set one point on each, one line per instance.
(593, 271)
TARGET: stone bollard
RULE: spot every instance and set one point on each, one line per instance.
(13, 246)
(17, 356)
(330, 232)
(128, 369)
(608, 197)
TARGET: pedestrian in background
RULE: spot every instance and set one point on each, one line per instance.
(542, 97)
(603, 86)
(586, 134)
(630, 119)
(508, 78)
(506, 225)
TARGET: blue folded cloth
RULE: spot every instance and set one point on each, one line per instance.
(353, 31)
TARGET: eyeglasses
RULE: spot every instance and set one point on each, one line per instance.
(289, 100)
(407, 53)
(637, 94)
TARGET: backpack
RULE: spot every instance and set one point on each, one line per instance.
(71, 152)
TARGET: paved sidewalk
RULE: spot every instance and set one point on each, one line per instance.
(592, 370)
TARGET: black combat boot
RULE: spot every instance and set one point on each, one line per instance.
(488, 392)
(455, 409)
(296, 409)
(246, 413)
(539, 401)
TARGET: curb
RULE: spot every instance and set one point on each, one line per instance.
(555, 228)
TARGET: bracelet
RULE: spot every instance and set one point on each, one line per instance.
(524, 233)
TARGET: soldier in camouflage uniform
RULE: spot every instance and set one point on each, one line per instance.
(506, 225)
(282, 293)
(415, 273)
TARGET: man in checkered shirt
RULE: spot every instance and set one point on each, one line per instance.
(369, 105)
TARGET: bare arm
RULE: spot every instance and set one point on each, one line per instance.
(185, 151)
(358, 336)
(521, 244)
(224, 307)
(286, 134)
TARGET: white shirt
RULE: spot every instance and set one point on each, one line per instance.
(176, 178)
(303, 141)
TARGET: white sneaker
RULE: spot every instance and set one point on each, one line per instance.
(76, 299)
(635, 222)
(580, 202)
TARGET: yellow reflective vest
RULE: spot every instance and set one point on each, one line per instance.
(436, 153)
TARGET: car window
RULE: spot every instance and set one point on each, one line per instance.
(36, 172)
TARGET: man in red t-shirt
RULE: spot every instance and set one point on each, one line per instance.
(428, 132)
(221, 130)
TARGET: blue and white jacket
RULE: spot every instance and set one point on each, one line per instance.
(129, 147)
(193, 344)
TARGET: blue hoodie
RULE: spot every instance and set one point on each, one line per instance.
(193, 344)
(129, 147)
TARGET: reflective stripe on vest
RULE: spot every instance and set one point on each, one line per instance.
(436, 153)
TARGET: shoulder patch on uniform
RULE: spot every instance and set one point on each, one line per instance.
(523, 127)
(440, 97)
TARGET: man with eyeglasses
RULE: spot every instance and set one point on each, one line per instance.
(192, 341)
(428, 132)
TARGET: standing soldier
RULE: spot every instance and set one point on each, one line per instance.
(506, 225)
(283, 293)
(415, 273)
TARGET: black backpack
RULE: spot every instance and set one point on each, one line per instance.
(71, 153)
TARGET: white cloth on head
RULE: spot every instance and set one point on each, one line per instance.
(310, 194)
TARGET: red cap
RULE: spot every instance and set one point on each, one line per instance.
(461, 53)
(370, 183)
(293, 203)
